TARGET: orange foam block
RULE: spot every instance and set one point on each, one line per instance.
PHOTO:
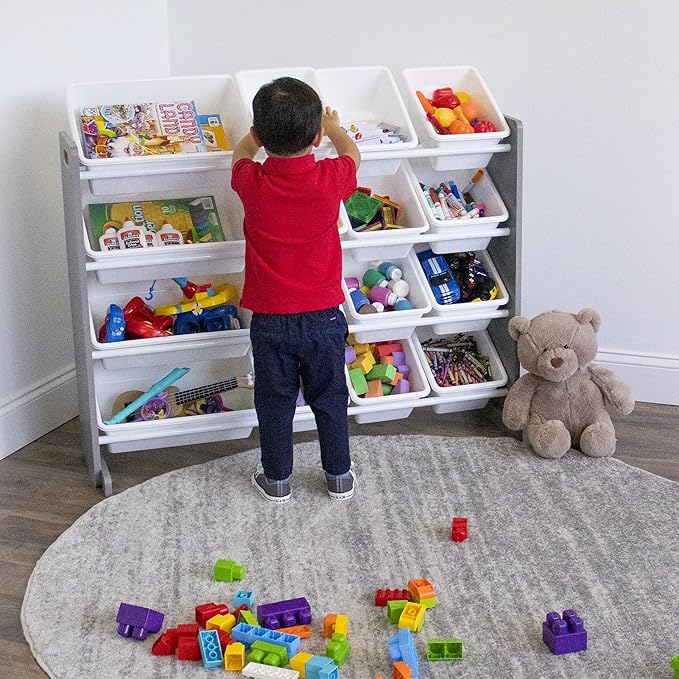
(374, 389)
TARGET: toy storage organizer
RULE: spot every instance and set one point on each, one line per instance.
(98, 279)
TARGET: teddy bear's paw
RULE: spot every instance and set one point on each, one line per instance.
(550, 439)
(598, 440)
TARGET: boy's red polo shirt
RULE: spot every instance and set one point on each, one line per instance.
(293, 258)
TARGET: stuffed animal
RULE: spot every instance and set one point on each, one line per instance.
(562, 399)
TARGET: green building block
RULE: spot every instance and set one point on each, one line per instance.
(248, 618)
(268, 654)
(358, 381)
(674, 664)
(362, 207)
(228, 571)
(429, 603)
(382, 371)
(394, 609)
(338, 649)
(444, 649)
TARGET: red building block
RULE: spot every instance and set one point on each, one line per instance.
(188, 630)
(166, 643)
(188, 648)
(459, 529)
(224, 639)
(384, 595)
(206, 611)
(236, 611)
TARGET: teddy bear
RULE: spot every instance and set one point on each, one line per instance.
(562, 398)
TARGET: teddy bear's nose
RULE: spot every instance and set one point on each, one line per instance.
(557, 362)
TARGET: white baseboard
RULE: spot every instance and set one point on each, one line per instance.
(653, 377)
(28, 416)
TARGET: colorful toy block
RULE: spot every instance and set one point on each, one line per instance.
(187, 630)
(397, 379)
(445, 649)
(248, 634)
(268, 654)
(248, 618)
(428, 603)
(349, 355)
(374, 389)
(382, 596)
(399, 358)
(412, 616)
(321, 667)
(137, 621)
(364, 361)
(420, 589)
(206, 611)
(284, 613)
(188, 648)
(389, 360)
(342, 624)
(338, 649)
(226, 570)
(329, 625)
(358, 381)
(401, 670)
(256, 670)
(301, 631)
(224, 638)
(674, 664)
(166, 643)
(243, 597)
(210, 649)
(299, 661)
(234, 657)
(402, 648)
(402, 386)
(395, 608)
(387, 349)
(362, 348)
(564, 635)
(222, 622)
(383, 372)
(459, 529)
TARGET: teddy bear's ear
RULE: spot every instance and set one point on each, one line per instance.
(589, 316)
(518, 326)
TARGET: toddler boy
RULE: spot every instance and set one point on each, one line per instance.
(293, 269)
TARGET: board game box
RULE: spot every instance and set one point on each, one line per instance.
(213, 132)
(196, 218)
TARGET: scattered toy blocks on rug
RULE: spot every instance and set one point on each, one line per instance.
(342, 624)
(226, 570)
(420, 589)
(401, 670)
(445, 649)
(299, 661)
(320, 667)
(301, 631)
(338, 649)
(395, 608)
(248, 618)
(268, 654)
(248, 634)
(188, 648)
(402, 648)
(412, 616)
(166, 643)
(222, 622)
(258, 671)
(243, 598)
(210, 649)
(329, 625)
(459, 529)
(206, 611)
(234, 657)
(284, 613)
(137, 621)
(188, 630)
(382, 596)
(564, 635)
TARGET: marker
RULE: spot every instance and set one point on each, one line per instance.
(473, 181)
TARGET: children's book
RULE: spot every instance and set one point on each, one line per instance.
(213, 132)
(128, 130)
(196, 218)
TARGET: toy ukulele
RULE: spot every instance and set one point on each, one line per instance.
(170, 402)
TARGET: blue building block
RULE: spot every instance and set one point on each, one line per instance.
(210, 648)
(248, 634)
(243, 597)
(567, 635)
(402, 647)
(320, 667)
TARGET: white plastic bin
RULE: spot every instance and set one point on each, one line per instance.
(109, 384)
(380, 244)
(477, 394)
(466, 79)
(419, 388)
(417, 297)
(471, 234)
(465, 316)
(368, 93)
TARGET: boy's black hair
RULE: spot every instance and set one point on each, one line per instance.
(287, 115)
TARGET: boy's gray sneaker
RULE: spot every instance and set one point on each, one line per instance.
(341, 487)
(273, 491)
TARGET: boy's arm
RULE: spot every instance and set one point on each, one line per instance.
(344, 145)
(247, 147)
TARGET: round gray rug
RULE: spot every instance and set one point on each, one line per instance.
(594, 535)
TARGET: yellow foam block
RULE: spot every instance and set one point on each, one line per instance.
(365, 362)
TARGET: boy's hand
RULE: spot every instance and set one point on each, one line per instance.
(247, 147)
(344, 145)
(330, 118)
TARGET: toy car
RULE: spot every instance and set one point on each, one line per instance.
(440, 277)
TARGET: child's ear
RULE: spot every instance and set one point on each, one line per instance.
(319, 137)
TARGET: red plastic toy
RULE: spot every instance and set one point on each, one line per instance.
(382, 596)
(167, 643)
(459, 529)
(188, 648)
(141, 322)
(206, 611)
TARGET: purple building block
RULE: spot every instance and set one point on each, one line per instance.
(284, 613)
(349, 355)
(137, 621)
(567, 635)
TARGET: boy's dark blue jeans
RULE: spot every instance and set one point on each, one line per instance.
(286, 347)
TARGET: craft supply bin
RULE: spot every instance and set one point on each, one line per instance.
(97, 279)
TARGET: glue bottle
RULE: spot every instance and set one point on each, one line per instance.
(109, 240)
(132, 236)
(151, 238)
(168, 235)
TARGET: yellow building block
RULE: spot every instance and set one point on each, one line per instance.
(351, 339)
(412, 617)
(297, 662)
(234, 657)
(361, 348)
(222, 622)
(363, 361)
(342, 624)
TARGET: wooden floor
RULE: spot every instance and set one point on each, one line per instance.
(45, 487)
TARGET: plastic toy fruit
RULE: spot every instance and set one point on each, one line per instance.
(484, 126)
(444, 115)
(460, 127)
(470, 110)
(444, 98)
(462, 96)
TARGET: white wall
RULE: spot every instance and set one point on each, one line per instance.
(596, 87)
(72, 41)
